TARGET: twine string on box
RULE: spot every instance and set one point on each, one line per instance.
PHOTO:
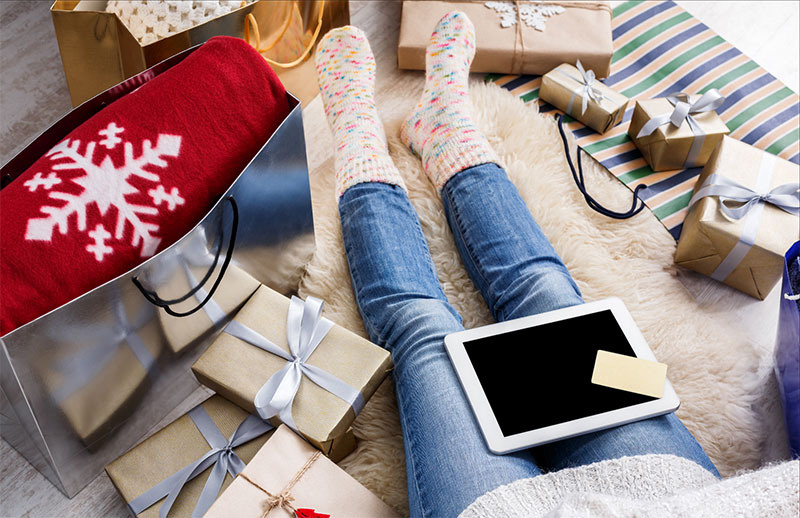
(284, 498)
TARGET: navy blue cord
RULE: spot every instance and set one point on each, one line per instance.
(578, 177)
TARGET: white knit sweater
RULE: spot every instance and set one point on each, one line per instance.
(652, 486)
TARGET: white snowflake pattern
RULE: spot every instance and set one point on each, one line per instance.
(531, 13)
(106, 185)
(46, 183)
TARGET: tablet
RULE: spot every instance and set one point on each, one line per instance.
(529, 380)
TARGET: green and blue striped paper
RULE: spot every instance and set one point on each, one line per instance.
(658, 49)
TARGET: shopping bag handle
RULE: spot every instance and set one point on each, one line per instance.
(580, 182)
(153, 298)
(251, 20)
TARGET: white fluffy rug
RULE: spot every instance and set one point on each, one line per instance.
(720, 377)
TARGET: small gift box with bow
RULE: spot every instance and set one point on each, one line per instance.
(742, 218)
(577, 93)
(182, 468)
(678, 131)
(281, 359)
(289, 478)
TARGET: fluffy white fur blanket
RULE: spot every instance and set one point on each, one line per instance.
(720, 377)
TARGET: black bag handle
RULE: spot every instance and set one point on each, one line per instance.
(578, 177)
(153, 298)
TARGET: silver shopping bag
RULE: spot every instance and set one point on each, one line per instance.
(82, 384)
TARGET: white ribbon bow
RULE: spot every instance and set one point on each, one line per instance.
(785, 197)
(683, 111)
(587, 90)
(305, 329)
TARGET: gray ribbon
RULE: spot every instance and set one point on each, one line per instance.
(683, 111)
(81, 368)
(305, 329)
(221, 456)
(587, 90)
(785, 197)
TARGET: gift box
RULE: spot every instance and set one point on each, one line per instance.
(96, 376)
(187, 268)
(742, 218)
(185, 465)
(677, 131)
(535, 40)
(282, 359)
(576, 92)
(289, 478)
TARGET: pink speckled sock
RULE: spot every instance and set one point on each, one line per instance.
(440, 128)
(346, 75)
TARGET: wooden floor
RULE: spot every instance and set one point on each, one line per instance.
(33, 94)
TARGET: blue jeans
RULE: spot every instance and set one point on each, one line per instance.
(405, 310)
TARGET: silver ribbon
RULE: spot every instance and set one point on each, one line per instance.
(683, 111)
(81, 368)
(221, 456)
(587, 90)
(785, 197)
(305, 329)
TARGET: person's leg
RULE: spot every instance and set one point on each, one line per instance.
(505, 252)
(399, 296)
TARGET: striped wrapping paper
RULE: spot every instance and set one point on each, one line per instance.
(658, 49)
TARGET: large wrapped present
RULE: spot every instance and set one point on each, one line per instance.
(534, 40)
(678, 131)
(742, 218)
(289, 478)
(181, 469)
(282, 359)
(578, 93)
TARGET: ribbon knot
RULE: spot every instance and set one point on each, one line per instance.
(284, 499)
(221, 456)
(305, 329)
(785, 197)
(683, 111)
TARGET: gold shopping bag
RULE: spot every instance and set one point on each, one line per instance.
(98, 51)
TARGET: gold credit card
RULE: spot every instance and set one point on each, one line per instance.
(630, 374)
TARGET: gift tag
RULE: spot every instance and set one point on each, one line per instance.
(310, 513)
(630, 374)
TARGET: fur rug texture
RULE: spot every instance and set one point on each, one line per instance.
(721, 378)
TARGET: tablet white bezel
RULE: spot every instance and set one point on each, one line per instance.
(497, 442)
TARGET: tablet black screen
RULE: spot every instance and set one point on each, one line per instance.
(541, 376)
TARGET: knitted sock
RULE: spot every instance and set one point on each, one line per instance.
(346, 75)
(440, 128)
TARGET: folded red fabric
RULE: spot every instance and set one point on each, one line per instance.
(134, 178)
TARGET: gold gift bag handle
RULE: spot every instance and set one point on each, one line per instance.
(250, 19)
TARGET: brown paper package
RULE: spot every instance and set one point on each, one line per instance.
(668, 147)
(557, 89)
(582, 31)
(111, 394)
(237, 370)
(708, 235)
(236, 287)
(173, 448)
(323, 486)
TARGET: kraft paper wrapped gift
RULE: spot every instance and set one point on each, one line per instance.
(281, 385)
(288, 476)
(581, 30)
(742, 218)
(576, 92)
(97, 380)
(677, 131)
(180, 448)
(236, 287)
